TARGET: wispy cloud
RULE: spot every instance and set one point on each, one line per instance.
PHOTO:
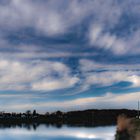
(109, 100)
(16, 75)
(108, 74)
(99, 37)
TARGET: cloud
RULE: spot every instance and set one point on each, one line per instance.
(46, 46)
(107, 41)
(54, 133)
(110, 78)
(106, 101)
(121, 36)
(87, 65)
(18, 14)
(53, 18)
(108, 74)
(17, 75)
(49, 18)
(103, 38)
(54, 84)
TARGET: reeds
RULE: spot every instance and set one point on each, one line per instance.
(127, 127)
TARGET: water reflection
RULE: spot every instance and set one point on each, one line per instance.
(44, 132)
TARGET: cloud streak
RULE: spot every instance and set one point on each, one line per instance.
(102, 102)
(102, 75)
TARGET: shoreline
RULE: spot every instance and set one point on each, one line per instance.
(88, 118)
(127, 128)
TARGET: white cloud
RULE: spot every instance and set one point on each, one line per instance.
(53, 17)
(106, 101)
(101, 39)
(135, 79)
(110, 75)
(54, 84)
(94, 33)
(17, 75)
(53, 133)
(105, 78)
(90, 65)
(52, 24)
(110, 78)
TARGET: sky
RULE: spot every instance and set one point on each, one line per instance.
(69, 55)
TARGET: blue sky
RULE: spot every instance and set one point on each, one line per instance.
(69, 55)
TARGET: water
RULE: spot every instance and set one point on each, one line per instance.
(44, 132)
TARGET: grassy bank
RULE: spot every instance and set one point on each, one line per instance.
(128, 128)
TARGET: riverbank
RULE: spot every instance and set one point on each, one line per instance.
(88, 118)
(128, 128)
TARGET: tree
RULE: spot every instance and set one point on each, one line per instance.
(34, 113)
(28, 112)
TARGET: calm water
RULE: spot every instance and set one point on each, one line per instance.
(53, 133)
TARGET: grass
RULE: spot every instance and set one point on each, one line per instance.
(128, 128)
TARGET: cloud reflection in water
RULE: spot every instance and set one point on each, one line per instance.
(63, 133)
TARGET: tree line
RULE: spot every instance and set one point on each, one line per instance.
(92, 117)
